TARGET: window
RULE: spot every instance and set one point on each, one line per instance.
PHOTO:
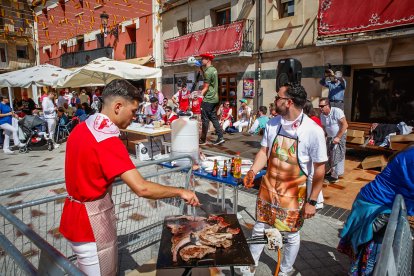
(80, 43)
(100, 42)
(182, 26)
(3, 53)
(286, 8)
(223, 16)
(22, 52)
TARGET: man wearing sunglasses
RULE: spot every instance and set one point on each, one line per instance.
(294, 151)
(334, 123)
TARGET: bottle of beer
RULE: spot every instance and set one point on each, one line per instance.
(215, 168)
(237, 166)
(224, 172)
(232, 166)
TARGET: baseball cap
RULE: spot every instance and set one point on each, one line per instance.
(243, 101)
(207, 56)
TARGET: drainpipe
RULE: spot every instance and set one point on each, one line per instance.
(259, 90)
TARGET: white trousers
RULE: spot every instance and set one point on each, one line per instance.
(290, 248)
(339, 169)
(8, 131)
(240, 124)
(226, 124)
(87, 257)
(51, 127)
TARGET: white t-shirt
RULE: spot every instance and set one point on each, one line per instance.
(159, 113)
(311, 147)
(245, 114)
(48, 108)
(331, 121)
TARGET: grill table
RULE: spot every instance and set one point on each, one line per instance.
(236, 255)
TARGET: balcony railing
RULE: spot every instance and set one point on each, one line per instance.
(76, 59)
(131, 50)
(248, 36)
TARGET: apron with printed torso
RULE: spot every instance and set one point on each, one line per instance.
(282, 192)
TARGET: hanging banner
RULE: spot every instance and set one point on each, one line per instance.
(218, 40)
(248, 88)
(338, 17)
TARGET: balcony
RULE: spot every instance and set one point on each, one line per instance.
(81, 58)
(131, 50)
(234, 38)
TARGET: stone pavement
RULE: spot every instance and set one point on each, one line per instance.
(319, 235)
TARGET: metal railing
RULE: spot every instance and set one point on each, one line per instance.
(248, 36)
(131, 50)
(397, 247)
(139, 221)
(80, 58)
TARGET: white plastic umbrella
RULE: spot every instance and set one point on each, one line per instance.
(40, 75)
(101, 71)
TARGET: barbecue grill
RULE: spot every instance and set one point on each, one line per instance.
(238, 254)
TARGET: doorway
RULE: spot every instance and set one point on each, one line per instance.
(227, 90)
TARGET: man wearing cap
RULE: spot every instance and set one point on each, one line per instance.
(336, 85)
(210, 100)
(243, 116)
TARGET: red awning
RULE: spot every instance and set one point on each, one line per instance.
(218, 40)
(337, 17)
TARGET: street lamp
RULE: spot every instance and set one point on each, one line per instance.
(104, 21)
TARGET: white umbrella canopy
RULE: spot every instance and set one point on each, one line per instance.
(102, 71)
(40, 75)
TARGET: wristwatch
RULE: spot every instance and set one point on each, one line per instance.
(312, 202)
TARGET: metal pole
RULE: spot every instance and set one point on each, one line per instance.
(11, 97)
(259, 52)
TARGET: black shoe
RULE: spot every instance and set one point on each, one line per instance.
(219, 141)
(330, 180)
(202, 142)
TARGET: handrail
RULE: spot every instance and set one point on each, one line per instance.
(14, 253)
(47, 250)
(62, 180)
(386, 264)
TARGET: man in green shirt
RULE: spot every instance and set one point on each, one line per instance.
(210, 100)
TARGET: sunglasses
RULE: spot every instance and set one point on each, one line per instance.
(277, 98)
(167, 110)
(322, 106)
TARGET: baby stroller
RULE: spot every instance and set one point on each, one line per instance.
(34, 138)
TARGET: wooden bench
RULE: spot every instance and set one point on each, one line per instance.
(366, 128)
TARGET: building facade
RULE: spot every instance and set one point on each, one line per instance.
(73, 33)
(373, 59)
(17, 46)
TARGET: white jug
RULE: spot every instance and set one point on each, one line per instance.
(184, 139)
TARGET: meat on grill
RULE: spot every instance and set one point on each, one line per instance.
(195, 252)
(196, 238)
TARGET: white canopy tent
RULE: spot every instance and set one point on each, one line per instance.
(101, 71)
(37, 76)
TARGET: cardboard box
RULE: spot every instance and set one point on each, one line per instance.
(354, 133)
(375, 161)
(355, 140)
(402, 138)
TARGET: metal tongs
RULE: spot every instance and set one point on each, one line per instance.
(272, 237)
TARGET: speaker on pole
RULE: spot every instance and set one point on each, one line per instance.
(288, 70)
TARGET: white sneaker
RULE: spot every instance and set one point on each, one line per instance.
(55, 146)
(21, 145)
(244, 270)
(319, 205)
(7, 151)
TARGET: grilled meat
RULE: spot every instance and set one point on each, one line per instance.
(195, 252)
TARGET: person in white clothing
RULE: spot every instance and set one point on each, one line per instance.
(49, 112)
(243, 116)
(335, 125)
(294, 151)
(6, 117)
(154, 111)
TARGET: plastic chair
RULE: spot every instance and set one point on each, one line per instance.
(63, 130)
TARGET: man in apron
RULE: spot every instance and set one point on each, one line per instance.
(294, 151)
(95, 156)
